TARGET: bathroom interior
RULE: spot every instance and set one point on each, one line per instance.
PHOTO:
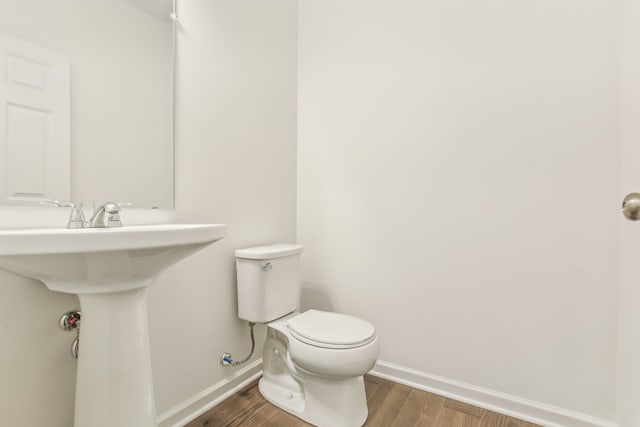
(453, 169)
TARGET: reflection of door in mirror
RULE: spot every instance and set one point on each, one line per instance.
(34, 122)
(120, 55)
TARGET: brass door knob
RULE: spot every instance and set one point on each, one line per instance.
(631, 206)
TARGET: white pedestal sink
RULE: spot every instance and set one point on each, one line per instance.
(109, 269)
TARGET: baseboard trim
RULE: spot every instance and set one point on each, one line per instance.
(197, 405)
(527, 410)
(513, 406)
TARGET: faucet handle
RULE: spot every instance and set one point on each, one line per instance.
(113, 213)
(76, 217)
(113, 220)
(57, 203)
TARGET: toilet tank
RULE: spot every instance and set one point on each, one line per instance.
(268, 281)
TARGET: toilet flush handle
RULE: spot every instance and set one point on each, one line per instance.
(631, 206)
(267, 267)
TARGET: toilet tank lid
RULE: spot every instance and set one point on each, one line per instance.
(269, 251)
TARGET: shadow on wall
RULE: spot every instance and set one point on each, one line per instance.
(316, 296)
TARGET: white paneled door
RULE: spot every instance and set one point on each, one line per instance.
(35, 157)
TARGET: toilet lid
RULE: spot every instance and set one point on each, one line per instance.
(331, 329)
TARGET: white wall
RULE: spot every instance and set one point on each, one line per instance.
(37, 371)
(235, 164)
(236, 160)
(458, 186)
(629, 294)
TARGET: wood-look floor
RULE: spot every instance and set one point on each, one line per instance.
(390, 405)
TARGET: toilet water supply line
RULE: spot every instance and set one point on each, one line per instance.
(226, 359)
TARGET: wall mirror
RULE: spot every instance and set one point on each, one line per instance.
(86, 94)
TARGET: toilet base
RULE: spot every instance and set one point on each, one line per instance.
(332, 396)
(322, 402)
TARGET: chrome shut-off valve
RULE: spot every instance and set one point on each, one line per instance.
(71, 321)
(631, 206)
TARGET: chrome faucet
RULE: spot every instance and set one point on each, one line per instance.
(106, 215)
(112, 212)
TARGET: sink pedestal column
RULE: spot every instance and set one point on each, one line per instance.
(114, 383)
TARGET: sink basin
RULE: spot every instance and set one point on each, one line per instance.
(110, 270)
(101, 260)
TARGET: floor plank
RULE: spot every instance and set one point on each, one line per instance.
(420, 409)
(245, 417)
(224, 413)
(251, 393)
(378, 397)
(262, 417)
(463, 407)
(284, 419)
(390, 405)
(491, 419)
(371, 384)
(451, 418)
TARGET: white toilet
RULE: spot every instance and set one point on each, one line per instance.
(314, 361)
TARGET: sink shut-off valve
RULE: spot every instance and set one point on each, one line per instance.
(71, 321)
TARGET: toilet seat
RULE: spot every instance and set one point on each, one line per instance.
(331, 330)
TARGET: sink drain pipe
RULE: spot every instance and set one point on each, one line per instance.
(227, 360)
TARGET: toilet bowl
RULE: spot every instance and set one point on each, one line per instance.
(314, 362)
(315, 375)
